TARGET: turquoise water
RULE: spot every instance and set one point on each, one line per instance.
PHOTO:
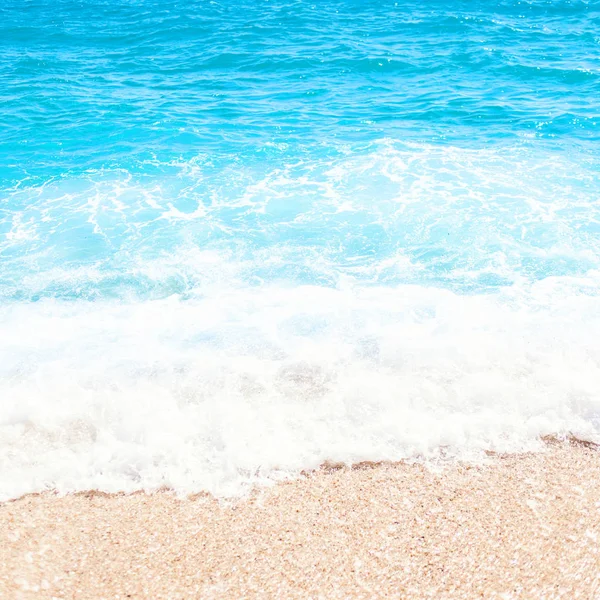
(238, 239)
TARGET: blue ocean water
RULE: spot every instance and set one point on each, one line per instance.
(238, 239)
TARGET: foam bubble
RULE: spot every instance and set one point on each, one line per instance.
(388, 213)
(243, 385)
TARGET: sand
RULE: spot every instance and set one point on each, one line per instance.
(520, 527)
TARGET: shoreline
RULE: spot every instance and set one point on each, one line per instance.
(522, 526)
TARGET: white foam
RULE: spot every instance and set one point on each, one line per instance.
(242, 385)
(393, 212)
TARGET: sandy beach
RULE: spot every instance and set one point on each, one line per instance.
(519, 527)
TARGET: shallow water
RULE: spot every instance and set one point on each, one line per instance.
(239, 239)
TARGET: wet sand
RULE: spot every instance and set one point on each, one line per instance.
(520, 527)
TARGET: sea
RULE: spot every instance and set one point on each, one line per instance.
(241, 239)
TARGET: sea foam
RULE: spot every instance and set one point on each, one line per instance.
(242, 386)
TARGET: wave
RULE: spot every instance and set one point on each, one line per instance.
(386, 214)
(247, 385)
